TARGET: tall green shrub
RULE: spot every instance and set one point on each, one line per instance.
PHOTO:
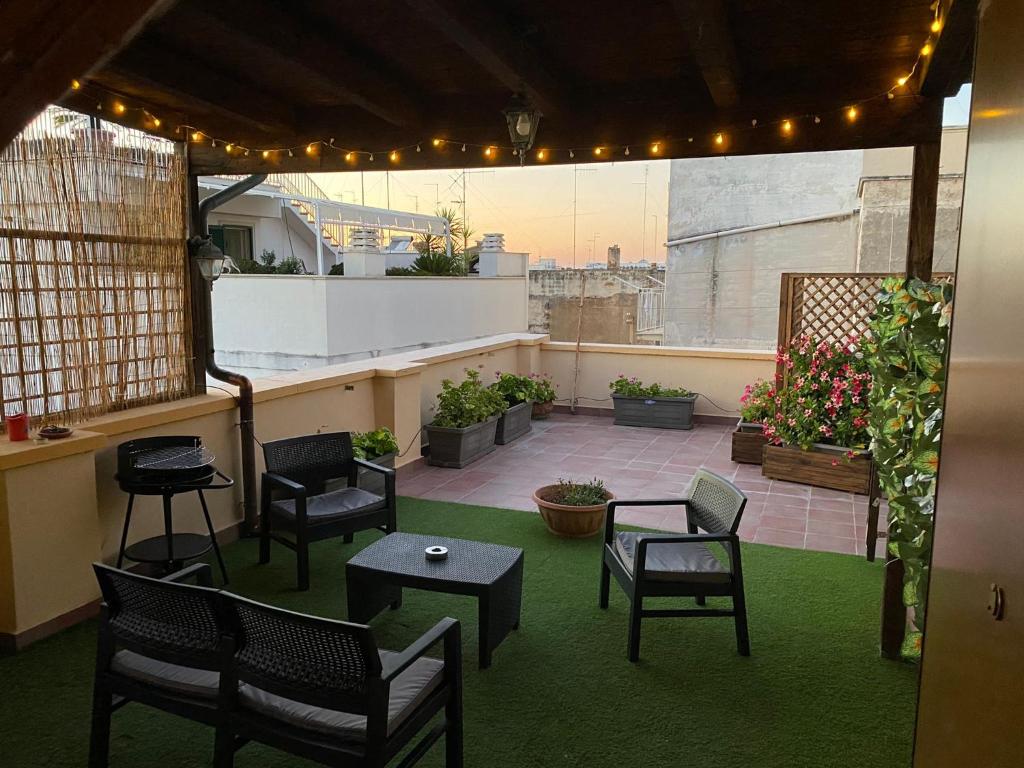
(907, 352)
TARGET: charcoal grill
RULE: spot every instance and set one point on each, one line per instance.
(166, 466)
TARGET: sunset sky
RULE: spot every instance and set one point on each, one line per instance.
(533, 206)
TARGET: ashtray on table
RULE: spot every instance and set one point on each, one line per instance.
(55, 433)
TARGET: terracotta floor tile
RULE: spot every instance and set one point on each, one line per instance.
(779, 523)
(825, 543)
(779, 538)
(844, 530)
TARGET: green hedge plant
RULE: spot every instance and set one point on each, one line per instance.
(514, 388)
(468, 403)
(371, 445)
(631, 386)
(907, 350)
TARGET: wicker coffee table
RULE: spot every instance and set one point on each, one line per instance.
(491, 572)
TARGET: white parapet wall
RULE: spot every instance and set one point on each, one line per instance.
(266, 324)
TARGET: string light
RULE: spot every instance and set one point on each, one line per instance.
(213, 143)
(626, 153)
(290, 153)
(247, 153)
(265, 153)
(542, 154)
(348, 157)
(156, 122)
(753, 123)
(656, 148)
(119, 108)
(75, 85)
(936, 24)
(817, 120)
(228, 148)
(719, 139)
(572, 154)
(598, 151)
(851, 114)
(417, 147)
(787, 127)
(310, 149)
(393, 156)
(371, 157)
(926, 49)
(196, 135)
(436, 142)
(488, 152)
(901, 81)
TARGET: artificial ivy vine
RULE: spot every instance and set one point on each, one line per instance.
(907, 354)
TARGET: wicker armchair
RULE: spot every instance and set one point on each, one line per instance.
(321, 689)
(160, 644)
(299, 470)
(680, 565)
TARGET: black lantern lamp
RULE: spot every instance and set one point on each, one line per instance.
(522, 125)
(208, 257)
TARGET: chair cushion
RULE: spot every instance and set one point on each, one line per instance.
(201, 683)
(410, 689)
(332, 505)
(676, 561)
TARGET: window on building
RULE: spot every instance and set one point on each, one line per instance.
(235, 241)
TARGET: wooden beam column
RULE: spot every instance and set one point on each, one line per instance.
(924, 199)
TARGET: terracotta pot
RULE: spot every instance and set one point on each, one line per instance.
(543, 410)
(571, 522)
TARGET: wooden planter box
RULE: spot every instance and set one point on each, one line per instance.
(659, 412)
(514, 423)
(456, 448)
(748, 442)
(814, 467)
(374, 481)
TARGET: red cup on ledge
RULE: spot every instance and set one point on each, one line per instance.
(17, 427)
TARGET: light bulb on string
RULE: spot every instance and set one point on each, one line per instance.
(542, 154)
(75, 85)
(598, 151)
(310, 149)
(487, 152)
(290, 153)
(418, 148)
(436, 142)
(890, 95)
(265, 153)
(817, 120)
(787, 127)
(626, 153)
(393, 156)
(371, 157)
(213, 143)
(753, 123)
(247, 153)
(228, 148)
(719, 139)
(156, 122)
(902, 80)
(119, 108)
(463, 147)
(936, 24)
(348, 157)
(196, 135)
(656, 148)
(926, 49)
(851, 114)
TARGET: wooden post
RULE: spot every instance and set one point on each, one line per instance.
(924, 199)
(196, 285)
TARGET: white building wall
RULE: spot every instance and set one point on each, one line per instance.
(265, 324)
(273, 228)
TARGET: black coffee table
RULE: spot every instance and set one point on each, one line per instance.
(491, 572)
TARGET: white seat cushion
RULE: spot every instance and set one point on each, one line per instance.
(410, 689)
(201, 683)
(673, 561)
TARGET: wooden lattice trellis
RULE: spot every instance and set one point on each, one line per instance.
(829, 306)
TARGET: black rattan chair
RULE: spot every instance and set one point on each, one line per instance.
(320, 689)
(680, 565)
(160, 643)
(298, 472)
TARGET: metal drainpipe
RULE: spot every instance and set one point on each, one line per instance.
(245, 409)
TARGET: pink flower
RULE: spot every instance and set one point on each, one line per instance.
(835, 462)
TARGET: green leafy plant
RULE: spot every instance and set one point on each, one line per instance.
(438, 264)
(267, 265)
(825, 399)
(907, 350)
(543, 388)
(514, 388)
(573, 494)
(370, 445)
(467, 403)
(337, 269)
(631, 386)
(757, 405)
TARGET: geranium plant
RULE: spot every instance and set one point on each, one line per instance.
(514, 388)
(543, 388)
(467, 403)
(908, 350)
(757, 405)
(825, 399)
(631, 386)
(370, 445)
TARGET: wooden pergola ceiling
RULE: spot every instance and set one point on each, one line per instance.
(376, 76)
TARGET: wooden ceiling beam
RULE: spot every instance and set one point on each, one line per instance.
(41, 75)
(323, 57)
(706, 24)
(513, 62)
(902, 122)
(198, 89)
(949, 65)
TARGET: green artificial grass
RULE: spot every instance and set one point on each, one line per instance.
(560, 691)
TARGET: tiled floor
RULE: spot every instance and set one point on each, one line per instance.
(647, 463)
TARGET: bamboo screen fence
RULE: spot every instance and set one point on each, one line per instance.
(93, 284)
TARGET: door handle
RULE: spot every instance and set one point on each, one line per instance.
(997, 602)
